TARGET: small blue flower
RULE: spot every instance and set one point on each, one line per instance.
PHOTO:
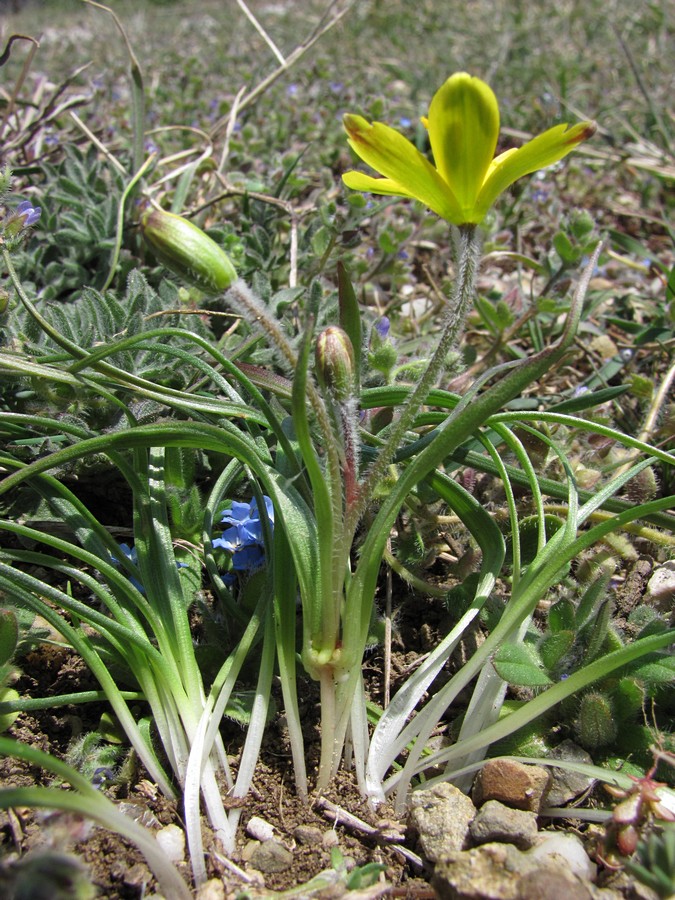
(382, 327)
(132, 555)
(14, 224)
(405, 122)
(244, 540)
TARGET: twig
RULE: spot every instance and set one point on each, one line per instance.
(261, 31)
(231, 122)
(390, 836)
(98, 144)
(290, 60)
(22, 76)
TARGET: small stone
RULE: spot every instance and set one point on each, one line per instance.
(308, 834)
(137, 876)
(441, 817)
(565, 785)
(271, 857)
(502, 872)
(330, 839)
(484, 873)
(551, 883)
(259, 829)
(213, 889)
(172, 841)
(512, 783)
(496, 822)
(661, 586)
(565, 849)
(249, 849)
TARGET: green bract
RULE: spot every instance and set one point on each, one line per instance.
(187, 251)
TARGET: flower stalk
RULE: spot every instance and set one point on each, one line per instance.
(468, 261)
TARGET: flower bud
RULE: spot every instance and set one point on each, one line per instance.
(382, 355)
(187, 251)
(334, 360)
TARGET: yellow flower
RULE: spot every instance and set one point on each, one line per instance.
(463, 125)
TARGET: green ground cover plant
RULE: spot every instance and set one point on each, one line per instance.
(292, 390)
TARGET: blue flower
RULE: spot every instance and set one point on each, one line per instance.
(29, 213)
(244, 540)
(132, 555)
(382, 326)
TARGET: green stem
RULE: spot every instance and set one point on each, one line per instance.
(468, 258)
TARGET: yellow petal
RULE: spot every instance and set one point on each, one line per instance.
(541, 151)
(463, 127)
(359, 181)
(391, 154)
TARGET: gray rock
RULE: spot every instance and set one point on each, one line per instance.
(546, 883)
(308, 834)
(214, 889)
(496, 822)
(565, 785)
(441, 817)
(502, 872)
(271, 857)
(490, 872)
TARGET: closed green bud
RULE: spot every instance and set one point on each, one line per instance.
(187, 251)
(334, 360)
(595, 724)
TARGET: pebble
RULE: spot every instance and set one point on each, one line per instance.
(568, 848)
(496, 822)
(512, 783)
(565, 785)
(502, 872)
(213, 889)
(661, 586)
(308, 834)
(259, 829)
(172, 841)
(440, 816)
(271, 857)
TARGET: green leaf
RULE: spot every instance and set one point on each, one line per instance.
(655, 669)
(9, 635)
(670, 288)
(590, 399)
(629, 697)
(7, 719)
(562, 616)
(554, 647)
(520, 664)
(564, 248)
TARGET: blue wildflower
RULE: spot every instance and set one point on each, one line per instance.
(382, 327)
(28, 213)
(132, 555)
(244, 540)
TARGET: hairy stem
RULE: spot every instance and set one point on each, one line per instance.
(468, 258)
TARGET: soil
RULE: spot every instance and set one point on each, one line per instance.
(118, 870)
